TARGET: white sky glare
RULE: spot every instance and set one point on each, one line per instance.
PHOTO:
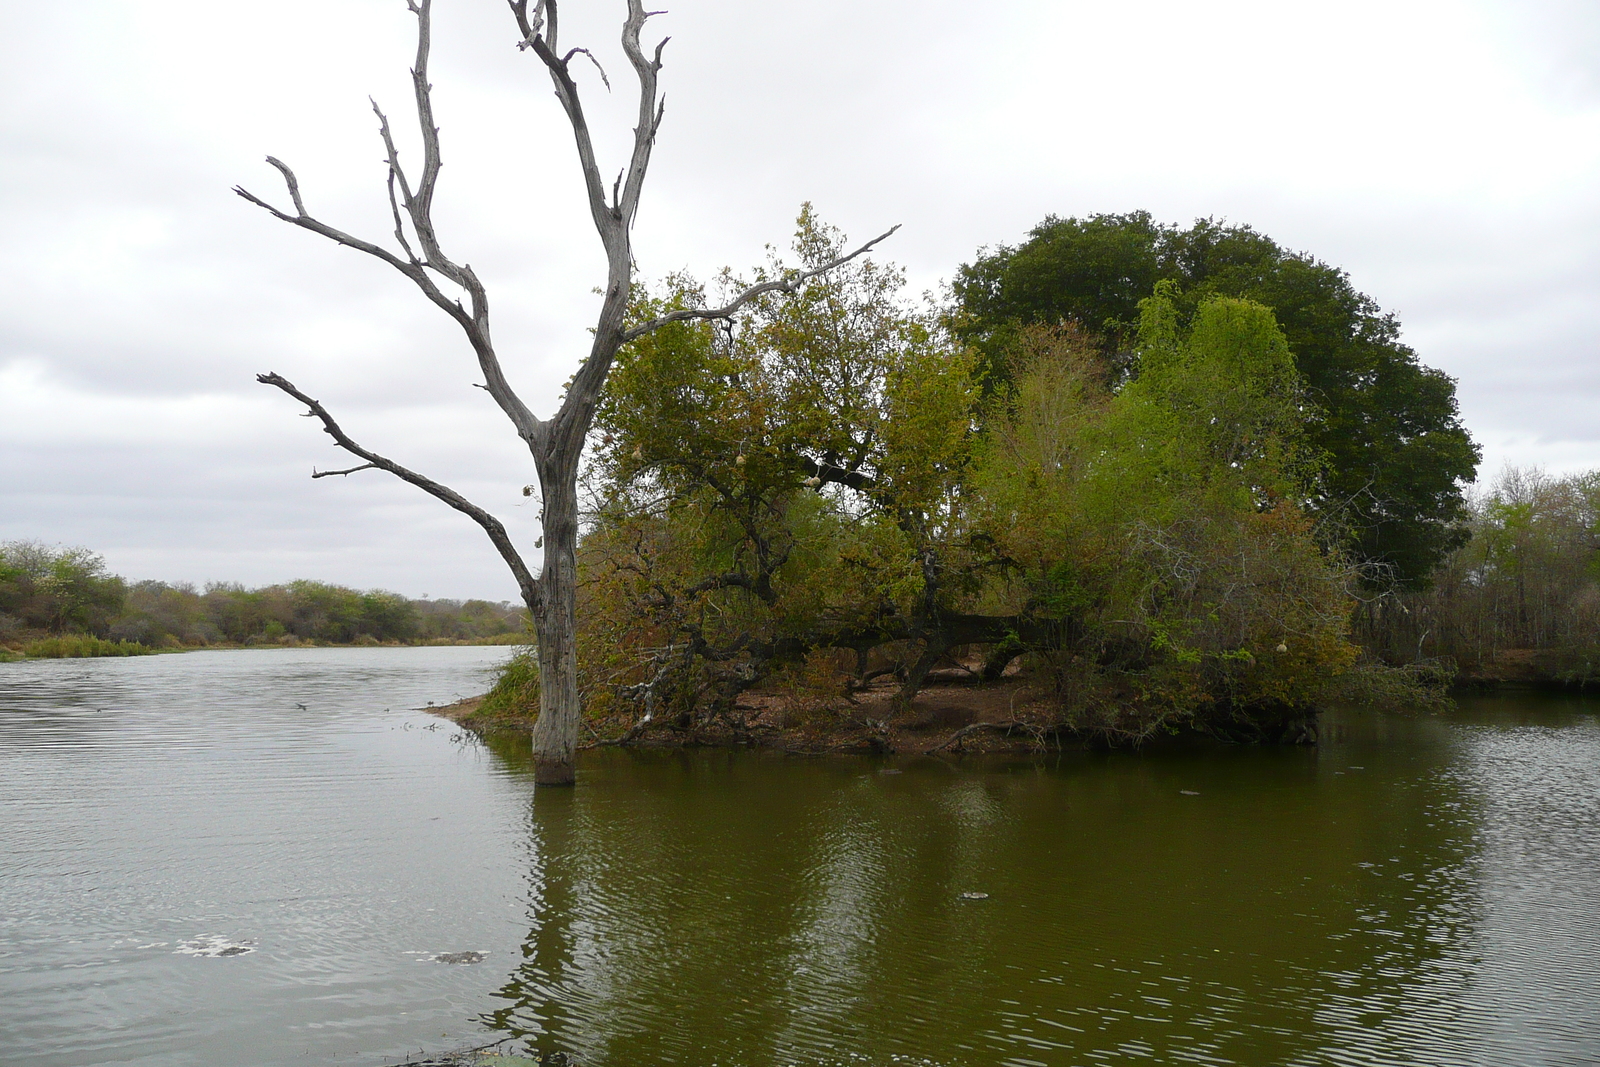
(1446, 154)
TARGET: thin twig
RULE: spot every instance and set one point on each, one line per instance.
(329, 474)
(785, 285)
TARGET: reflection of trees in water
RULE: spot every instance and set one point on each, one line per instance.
(741, 908)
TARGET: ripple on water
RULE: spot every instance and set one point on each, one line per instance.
(209, 872)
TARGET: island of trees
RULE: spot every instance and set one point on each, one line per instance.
(1181, 479)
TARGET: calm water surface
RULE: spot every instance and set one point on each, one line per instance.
(194, 869)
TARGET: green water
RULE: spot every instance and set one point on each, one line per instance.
(1411, 892)
(264, 859)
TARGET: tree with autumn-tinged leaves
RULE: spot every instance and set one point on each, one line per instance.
(827, 474)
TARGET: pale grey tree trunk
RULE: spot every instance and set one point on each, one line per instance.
(556, 444)
(555, 734)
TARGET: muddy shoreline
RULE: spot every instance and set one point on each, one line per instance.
(947, 715)
(953, 713)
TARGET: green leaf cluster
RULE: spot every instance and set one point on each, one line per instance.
(1397, 454)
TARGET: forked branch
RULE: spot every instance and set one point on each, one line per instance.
(414, 204)
(491, 525)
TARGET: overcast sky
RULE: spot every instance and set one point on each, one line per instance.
(1446, 154)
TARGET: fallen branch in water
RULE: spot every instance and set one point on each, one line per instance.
(956, 738)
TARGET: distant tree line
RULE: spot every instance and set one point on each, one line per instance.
(47, 591)
(1520, 598)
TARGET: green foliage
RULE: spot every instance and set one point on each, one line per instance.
(1397, 455)
(1527, 582)
(827, 474)
(516, 689)
(765, 484)
(1415, 687)
(1160, 524)
(57, 590)
(81, 646)
(68, 591)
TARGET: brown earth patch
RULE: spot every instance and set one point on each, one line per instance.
(955, 712)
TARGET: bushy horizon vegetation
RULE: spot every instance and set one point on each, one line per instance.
(1527, 580)
(64, 602)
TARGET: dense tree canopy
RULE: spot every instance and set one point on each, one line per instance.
(56, 589)
(1396, 452)
(829, 475)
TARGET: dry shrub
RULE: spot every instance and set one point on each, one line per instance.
(816, 689)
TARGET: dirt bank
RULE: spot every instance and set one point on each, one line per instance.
(952, 713)
(1530, 668)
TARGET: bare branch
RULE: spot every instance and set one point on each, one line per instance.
(492, 526)
(294, 186)
(399, 227)
(786, 285)
(346, 473)
(396, 174)
(417, 204)
(574, 51)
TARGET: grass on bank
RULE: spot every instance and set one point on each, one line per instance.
(77, 646)
(515, 690)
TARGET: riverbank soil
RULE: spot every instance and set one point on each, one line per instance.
(953, 712)
(1526, 668)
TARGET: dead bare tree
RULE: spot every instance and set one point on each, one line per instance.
(555, 443)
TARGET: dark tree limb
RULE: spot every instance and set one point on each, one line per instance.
(955, 739)
(823, 473)
(491, 525)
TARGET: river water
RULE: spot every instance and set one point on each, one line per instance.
(256, 858)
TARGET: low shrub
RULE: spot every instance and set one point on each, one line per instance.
(516, 689)
(81, 646)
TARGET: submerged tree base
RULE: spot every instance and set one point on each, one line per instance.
(551, 772)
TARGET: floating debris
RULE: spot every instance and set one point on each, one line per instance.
(891, 770)
(974, 896)
(1189, 792)
(461, 957)
(214, 947)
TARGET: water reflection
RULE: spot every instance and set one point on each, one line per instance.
(1235, 906)
(1416, 891)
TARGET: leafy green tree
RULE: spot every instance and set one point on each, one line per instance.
(1398, 455)
(1157, 524)
(777, 486)
(62, 590)
(827, 475)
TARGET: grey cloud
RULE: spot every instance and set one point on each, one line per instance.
(138, 297)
